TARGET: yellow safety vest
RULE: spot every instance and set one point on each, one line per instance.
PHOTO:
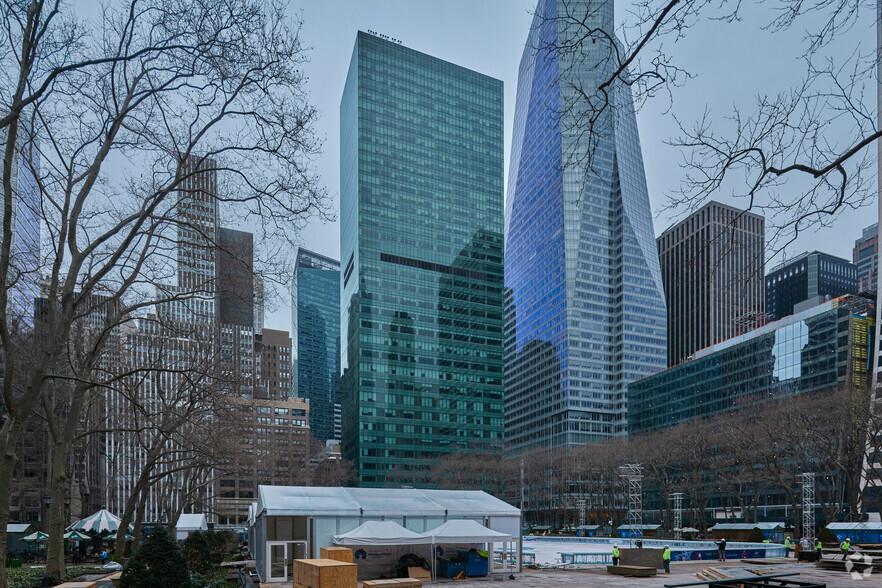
(666, 554)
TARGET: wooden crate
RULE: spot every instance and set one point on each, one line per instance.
(115, 579)
(419, 573)
(324, 573)
(393, 583)
(343, 554)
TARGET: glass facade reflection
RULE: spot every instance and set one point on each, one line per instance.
(24, 270)
(421, 257)
(585, 311)
(816, 349)
(316, 341)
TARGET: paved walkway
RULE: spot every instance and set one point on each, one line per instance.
(596, 577)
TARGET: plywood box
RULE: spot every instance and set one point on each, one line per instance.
(324, 573)
(394, 583)
(337, 553)
(419, 573)
(78, 585)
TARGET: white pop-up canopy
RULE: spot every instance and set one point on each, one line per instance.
(381, 533)
(464, 531)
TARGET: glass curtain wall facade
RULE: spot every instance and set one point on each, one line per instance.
(808, 276)
(421, 251)
(585, 310)
(316, 328)
(816, 349)
(24, 268)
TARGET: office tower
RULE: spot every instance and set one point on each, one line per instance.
(865, 256)
(276, 453)
(819, 348)
(274, 351)
(315, 317)
(808, 279)
(235, 278)
(24, 268)
(712, 268)
(586, 309)
(421, 251)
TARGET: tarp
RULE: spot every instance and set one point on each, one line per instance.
(381, 533)
(464, 531)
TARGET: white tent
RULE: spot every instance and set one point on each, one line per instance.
(465, 531)
(187, 523)
(381, 533)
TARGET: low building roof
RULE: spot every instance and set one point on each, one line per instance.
(855, 526)
(372, 502)
(747, 526)
(18, 527)
(644, 527)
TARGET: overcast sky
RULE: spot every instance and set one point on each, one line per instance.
(732, 62)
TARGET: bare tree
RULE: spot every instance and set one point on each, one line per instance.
(104, 114)
(817, 137)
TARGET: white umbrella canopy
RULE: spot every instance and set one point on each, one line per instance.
(102, 522)
(36, 536)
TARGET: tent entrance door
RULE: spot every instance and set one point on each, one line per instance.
(282, 554)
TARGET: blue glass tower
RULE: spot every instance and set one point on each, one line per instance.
(585, 310)
(316, 339)
(24, 269)
(421, 250)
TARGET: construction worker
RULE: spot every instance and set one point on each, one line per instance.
(819, 548)
(845, 547)
(666, 559)
(787, 545)
(766, 541)
(616, 555)
(721, 549)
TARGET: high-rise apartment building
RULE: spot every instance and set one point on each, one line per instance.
(808, 278)
(585, 303)
(421, 252)
(315, 317)
(712, 265)
(865, 256)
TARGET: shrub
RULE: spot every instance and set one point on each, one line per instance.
(827, 536)
(197, 552)
(158, 562)
(756, 536)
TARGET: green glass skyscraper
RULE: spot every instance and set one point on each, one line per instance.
(421, 254)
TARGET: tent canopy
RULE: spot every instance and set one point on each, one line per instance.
(465, 531)
(75, 536)
(192, 522)
(18, 527)
(381, 533)
(37, 536)
(378, 502)
(102, 522)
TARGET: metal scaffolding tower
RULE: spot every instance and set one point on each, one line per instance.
(581, 503)
(677, 500)
(808, 506)
(633, 474)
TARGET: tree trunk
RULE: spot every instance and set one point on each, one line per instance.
(7, 462)
(58, 488)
